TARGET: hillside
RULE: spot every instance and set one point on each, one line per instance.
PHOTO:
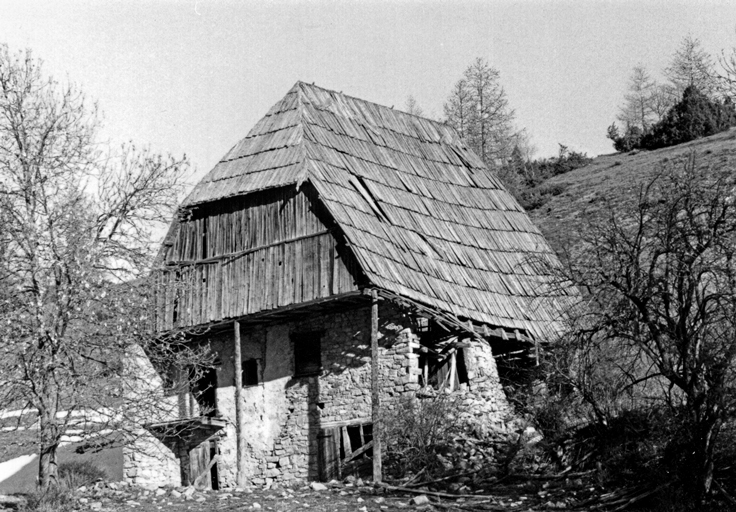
(613, 181)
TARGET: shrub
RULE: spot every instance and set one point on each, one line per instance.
(630, 140)
(73, 475)
(539, 196)
(418, 434)
(53, 500)
(693, 117)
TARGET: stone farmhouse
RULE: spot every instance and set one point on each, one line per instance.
(342, 257)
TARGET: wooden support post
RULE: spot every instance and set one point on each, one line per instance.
(239, 409)
(375, 396)
(453, 370)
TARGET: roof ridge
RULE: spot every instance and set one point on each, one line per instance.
(301, 83)
(304, 173)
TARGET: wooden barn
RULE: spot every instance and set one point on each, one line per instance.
(342, 244)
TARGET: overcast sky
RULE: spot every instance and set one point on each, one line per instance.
(195, 76)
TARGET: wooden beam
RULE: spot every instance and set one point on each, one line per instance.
(375, 395)
(239, 409)
(206, 471)
(358, 452)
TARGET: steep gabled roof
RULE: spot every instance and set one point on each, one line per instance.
(422, 214)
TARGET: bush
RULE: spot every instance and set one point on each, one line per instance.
(695, 116)
(418, 434)
(630, 140)
(539, 196)
(53, 500)
(73, 475)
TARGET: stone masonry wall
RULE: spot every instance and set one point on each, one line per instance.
(284, 413)
(146, 460)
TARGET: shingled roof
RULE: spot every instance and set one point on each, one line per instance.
(423, 216)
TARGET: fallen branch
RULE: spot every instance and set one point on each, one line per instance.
(419, 473)
(450, 477)
(462, 506)
(435, 493)
(728, 497)
(638, 498)
(558, 476)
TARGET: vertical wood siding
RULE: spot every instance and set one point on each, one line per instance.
(250, 255)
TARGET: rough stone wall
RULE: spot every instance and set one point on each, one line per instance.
(284, 413)
(147, 461)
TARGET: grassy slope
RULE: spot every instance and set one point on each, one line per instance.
(616, 179)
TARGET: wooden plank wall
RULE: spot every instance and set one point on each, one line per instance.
(250, 256)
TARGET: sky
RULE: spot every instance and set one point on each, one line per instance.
(194, 76)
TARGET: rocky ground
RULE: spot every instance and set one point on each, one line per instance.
(352, 495)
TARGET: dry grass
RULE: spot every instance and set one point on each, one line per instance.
(615, 180)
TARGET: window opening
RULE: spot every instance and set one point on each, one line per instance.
(444, 368)
(250, 372)
(307, 353)
(204, 391)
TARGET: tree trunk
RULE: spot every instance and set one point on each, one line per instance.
(706, 434)
(48, 471)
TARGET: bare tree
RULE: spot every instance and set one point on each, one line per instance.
(642, 104)
(412, 107)
(691, 65)
(76, 241)
(478, 108)
(660, 283)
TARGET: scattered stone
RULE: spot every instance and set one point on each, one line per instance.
(200, 499)
(83, 501)
(82, 489)
(188, 492)
(97, 505)
(224, 496)
(359, 482)
(175, 493)
(316, 486)
(363, 509)
(132, 503)
(419, 500)
(256, 506)
(160, 492)
(379, 500)
(360, 500)
(112, 485)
